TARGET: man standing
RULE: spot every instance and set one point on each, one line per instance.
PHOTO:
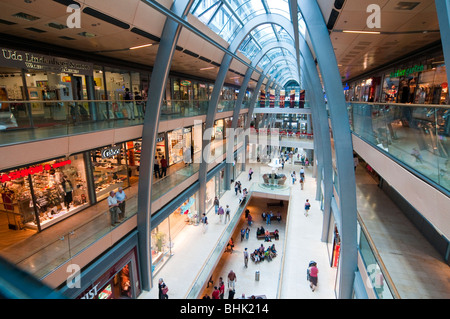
(156, 168)
(227, 214)
(163, 163)
(231, 280)
(245, 257)
(113, 207)
(121, 197)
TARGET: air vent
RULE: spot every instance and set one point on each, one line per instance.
(405, 5)
(106, 18)
(6, 22)
(338, 4)
(66, 38)
(36, 30)
(195, 55)
(25, 16)
(58, 26)
(178, 48)
(67, 2)
(145, 34)
(215, 63)
(205, 59)
(332, 20)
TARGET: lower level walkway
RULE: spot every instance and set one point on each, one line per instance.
(192, 248)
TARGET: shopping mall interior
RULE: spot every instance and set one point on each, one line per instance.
(153, 144)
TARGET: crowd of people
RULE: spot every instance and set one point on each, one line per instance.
(261, 253)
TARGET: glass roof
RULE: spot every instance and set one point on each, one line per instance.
(227, 17)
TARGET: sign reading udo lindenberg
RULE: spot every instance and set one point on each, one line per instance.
(33, 61)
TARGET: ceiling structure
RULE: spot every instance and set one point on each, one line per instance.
(110, 28)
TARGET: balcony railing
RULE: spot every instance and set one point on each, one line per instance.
(416, 135)
(25, 121)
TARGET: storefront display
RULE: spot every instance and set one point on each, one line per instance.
(164, 235)
(110, 170)
(178, 142)
(118, 282)
(41, 195)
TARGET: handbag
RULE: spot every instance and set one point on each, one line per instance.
(165, 290)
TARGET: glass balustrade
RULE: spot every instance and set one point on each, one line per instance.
(418, 136)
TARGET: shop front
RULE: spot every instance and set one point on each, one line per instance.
(110, 169)
(164, 237)
(179, 144)
(40, 195)
(115, 275)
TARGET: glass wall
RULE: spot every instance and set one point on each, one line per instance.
(110, 170)
(164, 239)
(38, 196)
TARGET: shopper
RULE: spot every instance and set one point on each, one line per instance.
(227, 214)
(156, 167)
(204, 222)
(163, 164)
(302, 173)
(245, 258)
(307, 207)
(313, 275)
(232, 280)
(121, 197)
(221, 288)
(236, 187)
(139, 104)
(249, 219)
(269, 217)
(242, 234)
(294, 177)
(220, 212)
(216, 204)
(215, 293)
(113, 207)
(163, 289)
(247, 232)
(250, 173)
(302, 181)
(129, 106)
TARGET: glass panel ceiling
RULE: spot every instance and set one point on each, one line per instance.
(227, 17)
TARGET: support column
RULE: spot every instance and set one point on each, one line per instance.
(443, 13)
(169, 39)
(321, 42)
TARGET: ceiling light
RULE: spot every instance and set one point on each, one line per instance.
(86, 34)
(361, 32)
(25, 16)
(141, 46)
(209, 68)
(236, 77)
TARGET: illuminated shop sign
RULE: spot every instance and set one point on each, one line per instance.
(111, 151)
(31, 171)
(34, 61)
(406, 72)
(185, 83)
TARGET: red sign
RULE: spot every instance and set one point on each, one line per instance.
(444, 85)
(31, 171)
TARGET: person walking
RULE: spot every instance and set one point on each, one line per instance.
(227, 214)
(156, 168)
(302, 173)
(220, 213)
(232, 280)
(163, 289)
(216, 204)
(113, 207)
(121, 197)
(294, 177)
(307, 207)
(129, 104)
(236, 187)
(250, 173)
(242, 234)
(313, 275)
(221, 288)
(245, 258)
(301, 181)
(215, 293)
(204, 222)
(247, 233)
(249, 219)
(269, 217)
(163, 163)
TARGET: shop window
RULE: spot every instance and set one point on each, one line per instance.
(110, 170)
(58, 190)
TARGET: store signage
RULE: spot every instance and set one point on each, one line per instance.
(406, 72)
(185, 83)
(32, 61)
(91, 293)
(31, 171)
(110, 152)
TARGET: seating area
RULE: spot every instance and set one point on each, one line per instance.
(261, 233)
(261, 253)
